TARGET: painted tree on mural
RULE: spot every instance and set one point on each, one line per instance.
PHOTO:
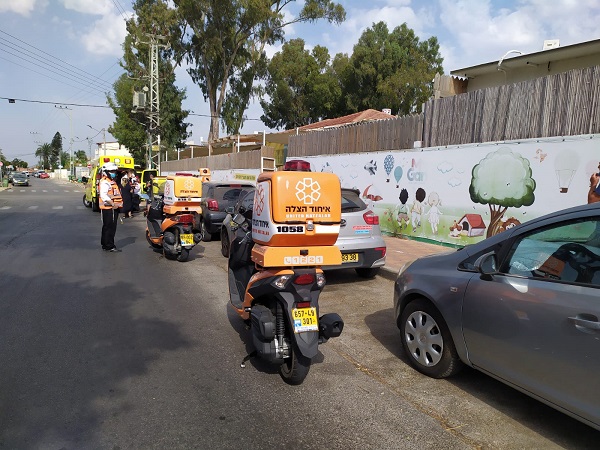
(502, 180)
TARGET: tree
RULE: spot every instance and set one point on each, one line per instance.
(44, 153)
(64, 159)
(80, 157)
(130, 127)
(56, 149)
(301, 86)
(224, 41)
(390, 70)
(19, 163)
(502, 180)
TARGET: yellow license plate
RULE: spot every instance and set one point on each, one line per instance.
(186, 239)
(305, 319)
(349, 257)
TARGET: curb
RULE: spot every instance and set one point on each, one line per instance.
(388, 273)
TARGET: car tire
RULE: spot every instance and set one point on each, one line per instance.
(427, 341)
(367, 272)
(86, 203)
(206, 236)
(224, 243)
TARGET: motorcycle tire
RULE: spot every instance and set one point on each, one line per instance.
(295, 368)
(184, 255)
(152, 244)
(169, 256)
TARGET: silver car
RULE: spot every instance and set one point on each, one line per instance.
(522, 306)
(360, 241)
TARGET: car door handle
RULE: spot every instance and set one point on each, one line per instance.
(590, 322)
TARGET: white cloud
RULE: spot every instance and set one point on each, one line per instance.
(99, 7)
(106, 37)
(21, 7)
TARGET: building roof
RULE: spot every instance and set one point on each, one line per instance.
(362, 116)
(538, 58)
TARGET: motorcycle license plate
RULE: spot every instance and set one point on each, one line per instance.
(349, 257)
(305, 319)
(187, 239)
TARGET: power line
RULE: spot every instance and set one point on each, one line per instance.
(13, 100)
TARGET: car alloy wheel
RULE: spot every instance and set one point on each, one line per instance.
(427, 340)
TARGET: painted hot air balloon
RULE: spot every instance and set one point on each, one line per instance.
(398, 175)
(388, 165)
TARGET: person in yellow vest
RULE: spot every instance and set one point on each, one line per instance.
(110, 202)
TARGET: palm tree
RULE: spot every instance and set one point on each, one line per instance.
(44, 153)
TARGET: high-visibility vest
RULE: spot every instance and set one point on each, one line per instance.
(114, 193)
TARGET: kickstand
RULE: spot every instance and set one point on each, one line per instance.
(247, 358)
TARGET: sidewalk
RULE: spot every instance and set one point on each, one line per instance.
(400, 251)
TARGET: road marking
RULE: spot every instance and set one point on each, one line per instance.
(67, 191)
(22, 190)
(44, 190)
(33, 207)
(57, 207)
(33, 190)
(5, 207)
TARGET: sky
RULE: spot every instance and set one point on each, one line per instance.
(58, 58)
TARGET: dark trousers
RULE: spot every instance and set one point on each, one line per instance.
(109, 227)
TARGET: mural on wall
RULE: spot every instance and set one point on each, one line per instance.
(462, 194)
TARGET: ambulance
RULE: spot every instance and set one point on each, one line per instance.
(123, 162)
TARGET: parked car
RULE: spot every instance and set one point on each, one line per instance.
(216, 198)
(43, 175)
(360, 241)
(521, 306)
(19, 179)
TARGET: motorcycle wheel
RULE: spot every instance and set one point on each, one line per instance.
(184, 255)
(295, 368)
(152, 244)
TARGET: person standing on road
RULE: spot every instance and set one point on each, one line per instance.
(127, 194)
(110, 202)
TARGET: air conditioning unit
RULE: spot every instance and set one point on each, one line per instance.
(551, 43)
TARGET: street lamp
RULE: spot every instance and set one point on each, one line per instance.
(103, 130)
(71, 140)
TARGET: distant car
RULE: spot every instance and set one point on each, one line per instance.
(20, 179)
(10, 176)
(216, 198)
(360, 241)
(522, 306)
(43, 175)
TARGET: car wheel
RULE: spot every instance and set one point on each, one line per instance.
(367, 272)
(206, 236)
(86, 203)
(427, 340)
(224, 243)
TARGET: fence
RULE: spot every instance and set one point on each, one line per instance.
(242, 160)
(563, 104)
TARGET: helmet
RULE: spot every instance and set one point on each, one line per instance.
(109, 167)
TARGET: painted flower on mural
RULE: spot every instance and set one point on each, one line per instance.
(502, 180)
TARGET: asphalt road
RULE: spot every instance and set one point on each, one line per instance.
(130, 350)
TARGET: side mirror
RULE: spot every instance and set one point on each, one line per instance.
(487, 265)
(229, 210)
(84, 179)
(239, 219)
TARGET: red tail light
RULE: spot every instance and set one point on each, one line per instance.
(303, 305)
(307, 278)
(371, 218)
(185, 218)
(212, 204)
(382, 250)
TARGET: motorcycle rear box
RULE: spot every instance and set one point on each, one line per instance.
(182, 193)
(296, 209)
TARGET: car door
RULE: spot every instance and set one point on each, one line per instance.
(536, 323)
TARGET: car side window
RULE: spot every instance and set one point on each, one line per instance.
(569, 252)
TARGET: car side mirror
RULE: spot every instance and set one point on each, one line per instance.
(229, 210)
(487, 265)
(84, 179)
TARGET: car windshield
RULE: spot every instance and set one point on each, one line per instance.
(227, 193)
(351, 202)
(19, 175)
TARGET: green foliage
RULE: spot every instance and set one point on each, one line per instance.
(19, 163)
(44, 153)
(389, 70)
(55, 150)
(224, 43)
(301, 87)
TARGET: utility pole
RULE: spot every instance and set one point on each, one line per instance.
(154, 111)
(71, 138)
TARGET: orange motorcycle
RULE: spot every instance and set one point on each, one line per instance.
(172, 216)
(274, 268)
